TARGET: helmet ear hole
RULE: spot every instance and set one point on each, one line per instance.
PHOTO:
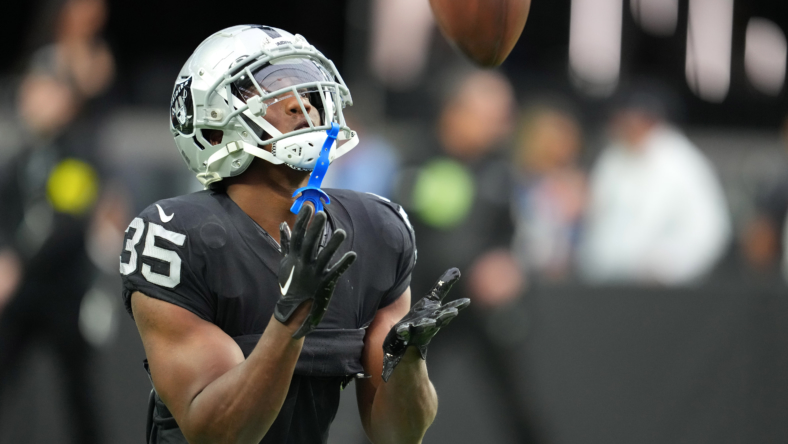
(213, 136)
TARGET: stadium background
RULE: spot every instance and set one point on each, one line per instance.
(622, 364)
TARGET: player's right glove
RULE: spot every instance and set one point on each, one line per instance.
(303, 273)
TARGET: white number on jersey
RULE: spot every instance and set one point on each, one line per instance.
(138, 225)
(169, 280)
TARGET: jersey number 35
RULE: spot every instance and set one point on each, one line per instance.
(151, 250)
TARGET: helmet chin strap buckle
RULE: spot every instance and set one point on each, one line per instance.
(312, 192)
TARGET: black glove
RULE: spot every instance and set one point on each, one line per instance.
(423, 322)
(303, 273)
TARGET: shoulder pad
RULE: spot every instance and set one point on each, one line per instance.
(397, 208)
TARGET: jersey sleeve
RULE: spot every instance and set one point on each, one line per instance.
(163, 260)
(399, 234)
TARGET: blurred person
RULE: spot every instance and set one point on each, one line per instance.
(760, 239)
(461, 202)
(550, 191)
(49, 190)
(10, 275)
(461, 198)
(761, 245)
(232, 307)
(657, 213)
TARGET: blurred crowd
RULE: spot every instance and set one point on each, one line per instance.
(509, 188)
(516, 191)
(506, 191)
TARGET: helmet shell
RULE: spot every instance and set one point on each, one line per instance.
(202, 98)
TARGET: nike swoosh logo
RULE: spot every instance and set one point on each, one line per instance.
(164, 218)
(287, 284)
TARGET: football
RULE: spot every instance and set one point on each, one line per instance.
(484, 30)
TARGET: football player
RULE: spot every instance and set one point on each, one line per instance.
(251, 329)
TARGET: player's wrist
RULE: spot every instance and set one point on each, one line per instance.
(411, 356)
(294, 322)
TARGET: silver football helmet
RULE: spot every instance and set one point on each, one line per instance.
(229, 83)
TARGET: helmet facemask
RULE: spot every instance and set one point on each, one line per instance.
(273, 78)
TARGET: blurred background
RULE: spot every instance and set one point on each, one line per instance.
(615, 194)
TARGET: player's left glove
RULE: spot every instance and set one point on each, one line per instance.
(423, 322)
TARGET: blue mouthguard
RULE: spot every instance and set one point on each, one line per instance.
(312, 192)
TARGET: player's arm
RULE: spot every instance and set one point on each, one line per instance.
(401, 410)
(399, 405)
(200, 373)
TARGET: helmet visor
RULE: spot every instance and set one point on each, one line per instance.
(312, 83)
(281, 74)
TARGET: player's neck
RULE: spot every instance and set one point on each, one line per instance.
(264, 192)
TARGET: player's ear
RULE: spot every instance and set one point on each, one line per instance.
(212, 135)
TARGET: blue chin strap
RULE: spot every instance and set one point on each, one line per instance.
(312, 192)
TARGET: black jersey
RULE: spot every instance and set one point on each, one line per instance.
(201, 252)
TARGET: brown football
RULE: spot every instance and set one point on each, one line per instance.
(484, 30)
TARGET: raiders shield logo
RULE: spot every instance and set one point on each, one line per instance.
(182, 107)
